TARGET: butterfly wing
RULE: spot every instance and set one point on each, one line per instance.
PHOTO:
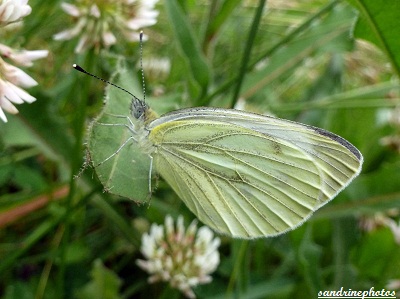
(249, 175)
(119, 162)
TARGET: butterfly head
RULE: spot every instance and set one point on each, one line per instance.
(141, 111)
(138, 109)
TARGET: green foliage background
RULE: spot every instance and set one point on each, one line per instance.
(63, 237)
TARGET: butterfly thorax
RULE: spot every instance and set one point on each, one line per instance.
(142, 115)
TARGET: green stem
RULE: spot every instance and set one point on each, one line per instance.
(238, 259)
(76, 161)
(247, 51)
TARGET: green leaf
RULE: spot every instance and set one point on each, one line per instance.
(18, 290)
(375, 253)
(189, 45)
(274, 288)
(24, 177)
(37, 125)
(105, 284)
(378, 23)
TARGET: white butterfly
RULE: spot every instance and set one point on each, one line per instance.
(243, 174)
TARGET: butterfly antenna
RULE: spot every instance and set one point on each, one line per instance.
(141, 65)
(78, 68)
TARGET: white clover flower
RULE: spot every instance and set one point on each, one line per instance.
(98, 20)
(370, 223)
(156, 68)
(395, 228)
(183, 258)
(12, 77)
(383, 220)
(13, 10)
(393, 284)
(391, 117)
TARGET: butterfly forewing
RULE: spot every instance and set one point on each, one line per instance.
(248, 175)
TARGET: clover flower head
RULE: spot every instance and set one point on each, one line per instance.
(185, 259)
(383, 219)
(12, 78)
(97, 21)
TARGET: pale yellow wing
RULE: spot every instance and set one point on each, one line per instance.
(248, 175)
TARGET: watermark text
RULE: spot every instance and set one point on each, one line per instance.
(371, 293)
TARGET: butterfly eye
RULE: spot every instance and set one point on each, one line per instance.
(138, 108)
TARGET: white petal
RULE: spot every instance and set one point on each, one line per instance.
(63, 35)
(36, 54)
(109, 39)
(205, 279)
(138, 23)
(18, 77)
(2, 115)
(70, 33)
(159, 234)
(212, 263)
(189, 293)
(191, 230)
(11, 95)
(66, 34)
(169, 226)
(193, 281)
(70, 9)
(149, 3)
(143, 264)
(133, 36)
(214, 244)
(5, 12)
(149, 14)
(95, 11)
(204, 235)
(169, 264)
(148, 246)
(8, 106)
(395, 230)
(180, 229)
(153, 279)
(24, 11)
(82, 44)
(25, 58)
(23, 94)
(5, 51)
(393, 284)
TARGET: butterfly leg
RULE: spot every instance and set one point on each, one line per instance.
(117, 151)
(150, 171)
(129, 126)
(117, 125)
(122, 116)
